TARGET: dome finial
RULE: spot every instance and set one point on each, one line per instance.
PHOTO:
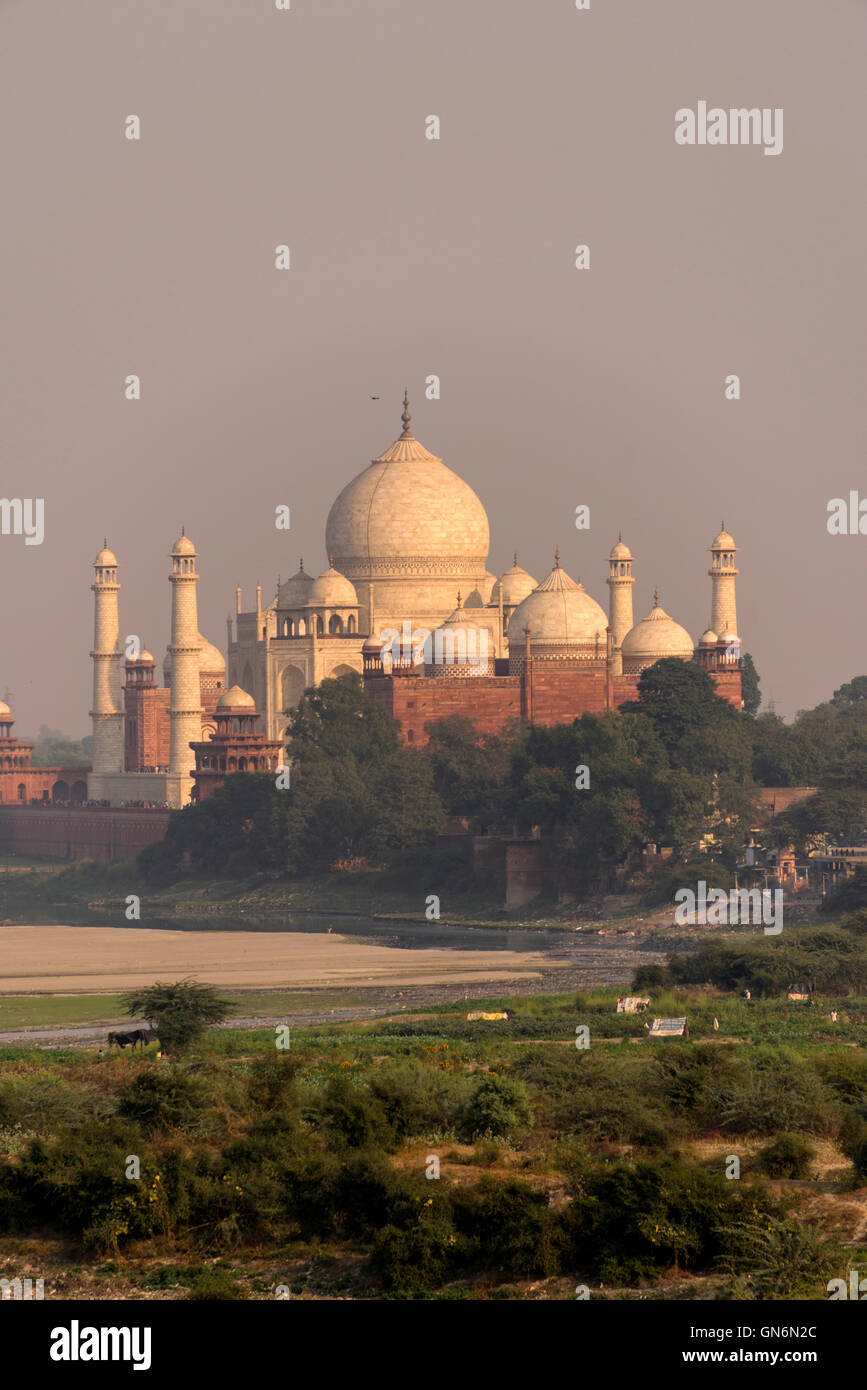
(105, 542)
(516, 559)
(301, 566)
(620, 535)
(331, 561)
(557, 558)
(406, 417)
(656, 598)
(183, 530)
(460, 600)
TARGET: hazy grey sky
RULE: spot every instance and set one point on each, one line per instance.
(413, 256)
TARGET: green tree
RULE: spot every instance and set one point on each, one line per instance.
(750, 692)
(180, 1012)
(853, 692)
(680, 700)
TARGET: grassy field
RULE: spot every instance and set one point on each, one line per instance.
(47, 1010)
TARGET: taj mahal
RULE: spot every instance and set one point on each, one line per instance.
(407, 542)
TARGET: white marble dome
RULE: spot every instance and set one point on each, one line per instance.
(459, 647)
(332, 590)
(236, 698)
(724, 541)
(413, 529)
(211, 659)
(514, 585)
(559, 613)
(293, 594)
(655, 637)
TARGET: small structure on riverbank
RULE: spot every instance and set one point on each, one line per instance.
(669, 1028)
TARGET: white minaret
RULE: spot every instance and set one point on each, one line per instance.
(185, 702)
(107, 712)
(723, 617)
(620, 582)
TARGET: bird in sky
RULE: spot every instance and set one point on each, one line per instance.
(374, 398)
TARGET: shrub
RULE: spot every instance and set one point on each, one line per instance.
(498, 1108)
(217, 1285)
(418, 1257)
(788, 1157)
(508, 1226)
(352, 1116)
(164, 1100)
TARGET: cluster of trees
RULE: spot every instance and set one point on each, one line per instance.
(55, 749)
(676, 764)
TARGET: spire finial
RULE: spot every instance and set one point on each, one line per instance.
(620, 535)
(301, 566)
(460, 600)
(331, 561)
(105, 542)
(557, 558)
(516, 559)
(656, 598)
(183, 530)
(406, 417)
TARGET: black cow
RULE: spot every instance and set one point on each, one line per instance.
(142, 1036)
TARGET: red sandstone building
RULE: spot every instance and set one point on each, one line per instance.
(21, 784)
(234, 746)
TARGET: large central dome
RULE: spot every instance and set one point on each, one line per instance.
(412, 528)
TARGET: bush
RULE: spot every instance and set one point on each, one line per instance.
(649, 977)
(420, 1257)
(217, 1285)
(788, 1157)
(164, 1100)
(352, 1116)
(498, 1108)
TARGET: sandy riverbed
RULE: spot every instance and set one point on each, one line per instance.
(94, 960)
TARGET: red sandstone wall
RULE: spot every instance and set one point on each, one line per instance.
(43, 783)
(96, 833)
(558, 691)
(490, 701)
(148, 735)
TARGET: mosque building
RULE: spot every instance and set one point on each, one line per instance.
(407, 600)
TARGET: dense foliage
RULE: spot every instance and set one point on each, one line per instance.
(676, 766)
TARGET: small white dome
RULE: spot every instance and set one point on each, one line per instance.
(183, 546)
(106, 557)
(655, 637)
(294, 593)
(514, 584)
(620, 551)
(723, 541)
(459, 645)
(332, 590)
(558, 612)
(708, 638)
(236, 698)
(211, 659)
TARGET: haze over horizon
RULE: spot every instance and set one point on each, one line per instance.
(413, 257)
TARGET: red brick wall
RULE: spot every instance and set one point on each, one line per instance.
(148, 735)
(41, 782)
(96, 833)
(558, 693)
